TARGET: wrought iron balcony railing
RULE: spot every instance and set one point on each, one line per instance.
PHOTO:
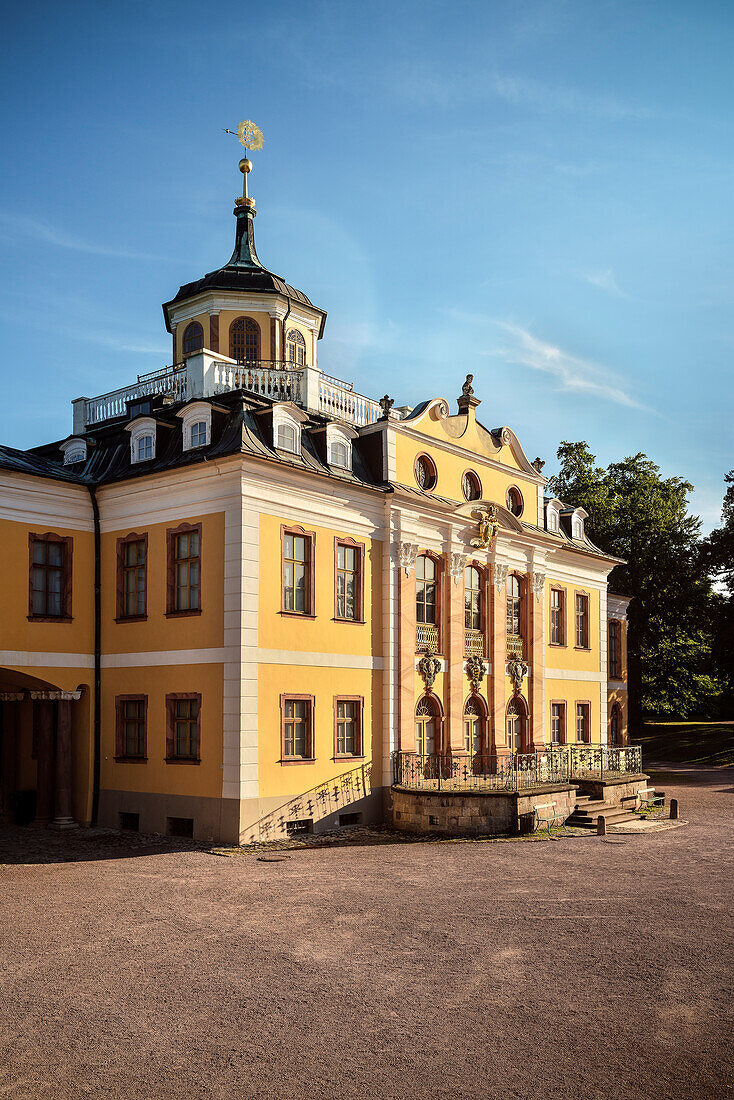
(514, 772)
(426, 637)
(515, 646)
(473, 643)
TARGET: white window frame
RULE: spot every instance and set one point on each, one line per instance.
(283, 417)
(336, 433)
(139, 428)
(553, 517)
(74, 450)
(577, 524)
(198, 412)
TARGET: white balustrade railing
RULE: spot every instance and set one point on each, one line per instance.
(280, 384)
(172, 381)
(339, 401)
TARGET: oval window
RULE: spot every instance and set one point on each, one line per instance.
(471, 486)
(425, 472)
(514, 501)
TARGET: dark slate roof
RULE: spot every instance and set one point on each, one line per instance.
(26, 462)
(234, 278)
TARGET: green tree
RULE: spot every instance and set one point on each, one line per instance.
(717, 561)
(641, 517)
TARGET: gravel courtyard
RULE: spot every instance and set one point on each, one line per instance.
(588, 967)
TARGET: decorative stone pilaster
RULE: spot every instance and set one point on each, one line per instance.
(498, 658)
(407, 553)
(454, 649)
(406, 683)
(214, 331)
(457, 567)
(500, 575)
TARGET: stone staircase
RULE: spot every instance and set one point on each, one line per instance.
(588, 809)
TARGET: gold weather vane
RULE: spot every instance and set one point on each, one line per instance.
(251, 136)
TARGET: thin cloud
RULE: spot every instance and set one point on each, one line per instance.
(605, 280)
(573, 373)
(13, 226)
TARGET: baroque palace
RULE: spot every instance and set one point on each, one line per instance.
(240, 595)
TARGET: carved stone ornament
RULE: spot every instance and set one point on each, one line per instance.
(517, 670)
(407, 553)
(429, 668)
(500, 575)
(458, 565)
(476, 670)
(386, 403)
(489, 525)
(538, 585)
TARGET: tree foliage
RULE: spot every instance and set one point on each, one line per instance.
(643, 518)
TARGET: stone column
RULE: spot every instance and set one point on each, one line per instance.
(498, 656)
(456, 681)
(406, 688)
(173, 342)
(62, 772)
(536, 659)
(10, 708)
(213, 332)
(43, 725)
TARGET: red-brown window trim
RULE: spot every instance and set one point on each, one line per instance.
(440, 595)
(564, 721)
(171, 533)
(192, 325)
(564, 633)
(359, 595)
(120, 754)
(249, 324)
(310, 537)
(612, 623)
(67, 550)
(433, 467)
(486, 732)
(311, 700)
(585, 595)
(485, 591)
(582, 703)
(359, 700)
(171, 701)
(121, 543)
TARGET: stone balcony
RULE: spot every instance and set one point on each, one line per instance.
(206, 374)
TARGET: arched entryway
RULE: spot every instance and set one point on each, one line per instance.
(36, 752)
(428, 726)
(476, 732)
(517, 725)
(615, 726)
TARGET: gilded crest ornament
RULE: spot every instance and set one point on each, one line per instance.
(476, 671)
(429, 667)
(517, 670)
(489, 525)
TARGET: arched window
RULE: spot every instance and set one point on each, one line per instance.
(473, 722)
(615, 726)
(472, 598)
(286, 438)
(514, 607)
(426, 589)
(516, 726)
(193, 338)
(339, 454)
(615, 649)
(295, 347)
(425, 472)
(244, 340)
(515, 502)
(471, 486)
(426, 727)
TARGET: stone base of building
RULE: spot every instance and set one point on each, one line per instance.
(203, 819)
(612, 791)
(328, 809)
(469, 813)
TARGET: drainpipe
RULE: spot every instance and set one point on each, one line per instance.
(97, 655)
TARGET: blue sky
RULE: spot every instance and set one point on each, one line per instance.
(538, 193)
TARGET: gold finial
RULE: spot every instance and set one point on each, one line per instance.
(251, 136)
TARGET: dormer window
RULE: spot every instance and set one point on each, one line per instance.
(553, 520)
(338, 454)
(74, 450)
(197, 425)
(142, 439)
(552, 516)
(193, 338)
(577, 524)
(286, 438)
(295, 347)
(339, 445)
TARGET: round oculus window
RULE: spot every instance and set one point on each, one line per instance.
(425, 472)
(515, 502)
(471, 486)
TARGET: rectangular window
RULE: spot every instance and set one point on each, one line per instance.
(582, 722)
(184, 570)
(132, 713)
(348, 581)
(558, 723)
(297, 572)
(557, 616)
(132, 561)
(582, 621)
(297, 727)
(348, 727)
(615, 650)
(50, 577)
(183, 731)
